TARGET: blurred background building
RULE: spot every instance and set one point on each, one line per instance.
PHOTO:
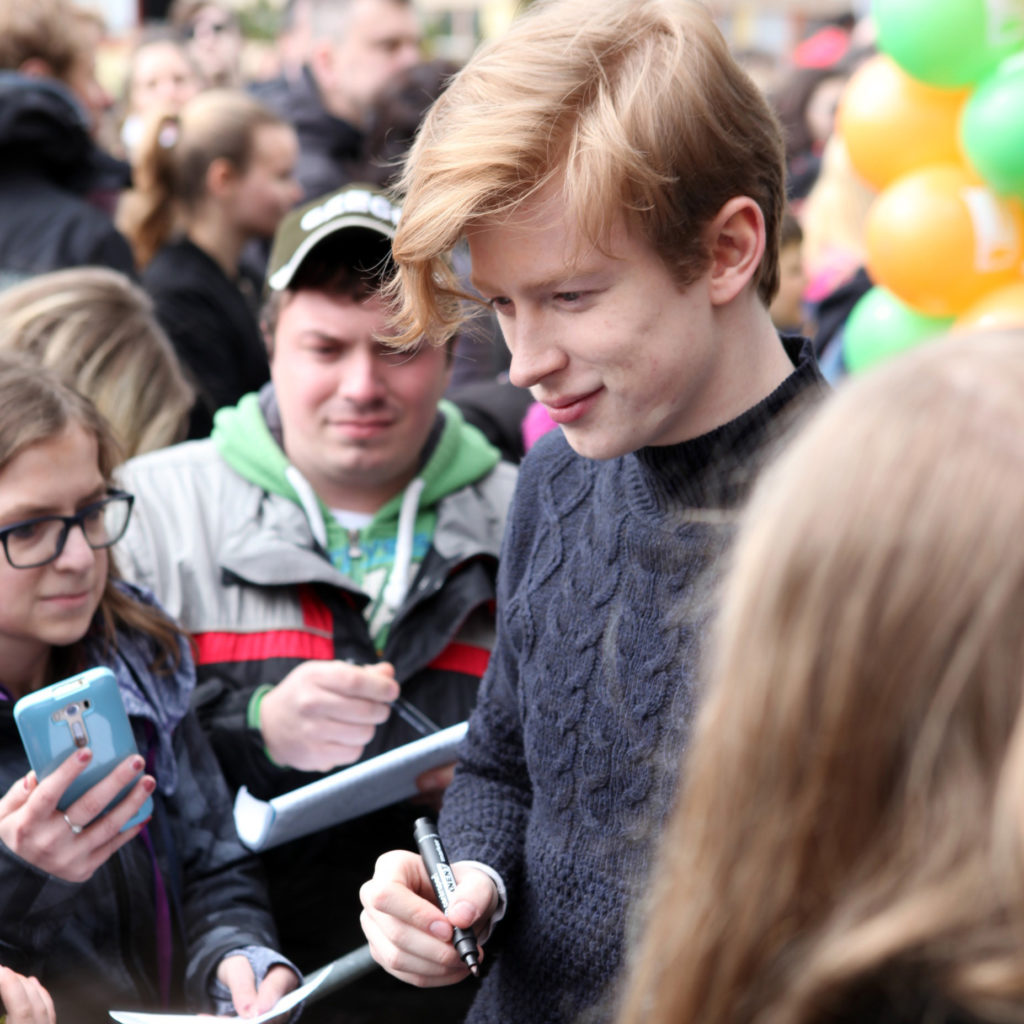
(455, 27)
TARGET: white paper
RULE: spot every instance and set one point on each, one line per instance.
(283, 1005)
(343, 795)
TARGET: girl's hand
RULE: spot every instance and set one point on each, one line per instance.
(24, 999)
(69, 844)
(249, 999)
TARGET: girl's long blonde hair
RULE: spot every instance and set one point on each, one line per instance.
(852, 801)
(99, 331)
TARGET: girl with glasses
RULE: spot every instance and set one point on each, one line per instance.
(166, 913)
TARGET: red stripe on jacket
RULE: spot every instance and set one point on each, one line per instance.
(471, 661)
(216, 648)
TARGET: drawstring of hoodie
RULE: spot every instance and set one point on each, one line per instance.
(398, 579)
(310, 505)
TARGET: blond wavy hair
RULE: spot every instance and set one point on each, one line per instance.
(99, 331)
(851, 807)
(635, 108)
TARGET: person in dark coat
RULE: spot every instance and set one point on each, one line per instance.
(54, 177)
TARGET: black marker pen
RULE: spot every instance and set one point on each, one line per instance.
(435, 860)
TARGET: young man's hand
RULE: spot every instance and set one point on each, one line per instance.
(323, 713)
(409, 935)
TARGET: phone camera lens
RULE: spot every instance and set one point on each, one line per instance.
(72, 709)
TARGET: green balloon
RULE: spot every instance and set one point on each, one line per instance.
(881, 326)
(992, 128)
(949, 43)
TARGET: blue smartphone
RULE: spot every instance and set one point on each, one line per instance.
(85, 710)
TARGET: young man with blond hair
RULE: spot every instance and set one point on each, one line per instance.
(620, 182)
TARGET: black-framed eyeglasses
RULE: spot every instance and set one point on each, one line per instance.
(35, 542)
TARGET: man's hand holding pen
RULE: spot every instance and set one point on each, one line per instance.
(323, 713)
(409, 935)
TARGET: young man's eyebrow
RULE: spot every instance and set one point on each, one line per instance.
(557, 282)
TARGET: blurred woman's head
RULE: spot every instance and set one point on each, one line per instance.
(99, 332)
(224, 155)
(851, 801)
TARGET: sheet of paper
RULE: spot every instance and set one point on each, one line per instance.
(283, 1005)
(344, 794)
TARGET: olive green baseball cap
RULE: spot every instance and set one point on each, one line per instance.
(354, 206)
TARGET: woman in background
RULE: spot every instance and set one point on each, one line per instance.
(98, 330)
(207, 181)
(160, 76)
(849, 842)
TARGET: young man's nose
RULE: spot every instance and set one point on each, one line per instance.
(362, 378)
(535, 354)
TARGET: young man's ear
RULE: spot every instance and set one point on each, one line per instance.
(321, 61)
(736, 241)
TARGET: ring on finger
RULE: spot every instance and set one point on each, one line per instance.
(75, 829)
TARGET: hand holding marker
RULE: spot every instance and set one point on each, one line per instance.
(435, 860)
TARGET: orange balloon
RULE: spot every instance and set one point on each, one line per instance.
(1002, 308)
(893, 124)
(940, 240)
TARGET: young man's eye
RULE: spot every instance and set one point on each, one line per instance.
(569, 296)
(323, 351)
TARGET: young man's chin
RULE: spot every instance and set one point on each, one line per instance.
(592, 445)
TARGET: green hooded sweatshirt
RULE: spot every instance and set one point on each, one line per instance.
(368, 557)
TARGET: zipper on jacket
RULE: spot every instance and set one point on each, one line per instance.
(354, 550)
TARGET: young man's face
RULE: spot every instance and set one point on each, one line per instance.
(787, 309)
(355, 413)
(620, 356)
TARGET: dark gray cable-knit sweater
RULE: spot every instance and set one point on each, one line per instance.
(570, 765)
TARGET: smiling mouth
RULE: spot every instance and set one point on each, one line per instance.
(571, 408)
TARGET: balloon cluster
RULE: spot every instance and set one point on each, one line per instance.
(935, 123)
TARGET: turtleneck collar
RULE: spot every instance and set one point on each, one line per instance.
(715, 470)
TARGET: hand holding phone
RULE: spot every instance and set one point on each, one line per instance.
(83, 800)
(84, 711)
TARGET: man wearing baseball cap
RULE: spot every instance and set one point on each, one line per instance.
(332, 545)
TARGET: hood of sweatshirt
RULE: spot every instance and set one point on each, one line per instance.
(456, 454)
(44, 129)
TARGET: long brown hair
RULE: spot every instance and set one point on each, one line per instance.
(851, 806)
(36, 405)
